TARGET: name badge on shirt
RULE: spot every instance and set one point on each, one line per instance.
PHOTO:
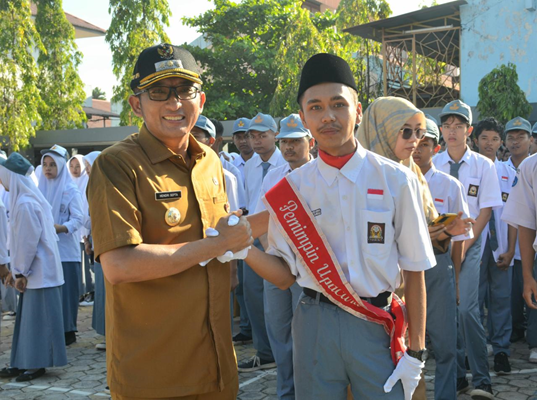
(316, 212)
(473, 190)
(161, 196)
(376, 232)
(505, 196)
(376, 194)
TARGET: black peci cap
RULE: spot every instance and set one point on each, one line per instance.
(322, 68)
(164, 61)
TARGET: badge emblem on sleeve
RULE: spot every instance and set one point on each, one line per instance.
(472, 190)
(505, 196)
(375, 232)
(173, 216)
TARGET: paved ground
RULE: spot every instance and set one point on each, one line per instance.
(85, 376)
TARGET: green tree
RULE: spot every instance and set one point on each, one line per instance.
(257, 49)
(19, 95)
(61, 88)
(136, 25)
(500, 96)
(98, 94)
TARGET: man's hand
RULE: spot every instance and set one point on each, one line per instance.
(234, 238)
(530, 289)
(460, 226)
(435, 231)
(408, 370)
(504, 260)
(61, 228)
(20, 284)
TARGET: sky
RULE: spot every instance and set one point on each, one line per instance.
(96, 68)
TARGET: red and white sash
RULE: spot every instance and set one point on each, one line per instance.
(303, 234)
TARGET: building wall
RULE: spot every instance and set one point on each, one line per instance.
(494, 33)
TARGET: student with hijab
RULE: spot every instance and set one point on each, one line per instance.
(62, 194)
(98, 321)
(77, 169)
(393, 128)
(38, 340)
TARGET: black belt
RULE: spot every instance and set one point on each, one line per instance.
(381, 301)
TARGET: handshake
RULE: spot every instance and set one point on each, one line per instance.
(237, 237)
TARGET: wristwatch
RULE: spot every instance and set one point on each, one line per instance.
(419, 355)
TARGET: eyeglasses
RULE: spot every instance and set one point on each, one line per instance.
(408, 132)
(162, 93)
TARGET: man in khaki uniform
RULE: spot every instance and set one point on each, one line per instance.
(151, 197)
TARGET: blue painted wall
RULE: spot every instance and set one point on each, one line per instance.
(496, 32)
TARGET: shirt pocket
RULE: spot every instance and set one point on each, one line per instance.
(473, 191)
(376, 236)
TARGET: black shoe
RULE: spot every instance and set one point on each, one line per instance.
(254, 364)
(516, 335)
(482, 392)
(28, 377)
(70, 338)
(239, 338)
(462, 385)
(10, 372)
(501, 363)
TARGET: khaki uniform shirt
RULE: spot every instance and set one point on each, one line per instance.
(166, 337)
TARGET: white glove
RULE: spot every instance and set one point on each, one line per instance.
(409, 371)
(228, 255)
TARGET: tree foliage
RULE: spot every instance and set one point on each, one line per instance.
(257, 49)
(136, 25)
(500, 96)
(61, 88)
(19, 96)
(98, 94)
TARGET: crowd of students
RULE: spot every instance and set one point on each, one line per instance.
(475, 304)
(45, 234)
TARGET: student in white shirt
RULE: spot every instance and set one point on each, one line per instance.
(533, 145)
(38, 340)
(63, 195)
(295, 144)
(520, 211)
(478, 176)
(347, 189)
(262, 133)
(242, 142)
(518, 140)
(4, 253)
(497, 252)
(449, 197)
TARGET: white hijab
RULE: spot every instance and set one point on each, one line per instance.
(22, 189)
(90, 158)
(60, 190)
(82, 181)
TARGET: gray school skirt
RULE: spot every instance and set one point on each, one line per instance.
(38, 337)
(70, 294)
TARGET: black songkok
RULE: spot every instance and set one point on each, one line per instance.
(322, 68)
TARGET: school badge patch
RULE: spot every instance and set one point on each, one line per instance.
(505, 196)
(515, 181)
(375, 232)
(472, 190)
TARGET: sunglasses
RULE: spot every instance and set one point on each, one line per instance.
(408, 132)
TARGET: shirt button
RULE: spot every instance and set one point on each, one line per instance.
(348, 228)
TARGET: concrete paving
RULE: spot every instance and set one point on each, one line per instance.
(85, 375)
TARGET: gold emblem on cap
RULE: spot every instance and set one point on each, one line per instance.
(455, 106)
(517, 122)
(241, 124)
(292, 123)
(259, 119)
(173, 216)
(165, 51)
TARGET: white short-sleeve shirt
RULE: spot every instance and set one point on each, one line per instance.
(239, 184)
(368, 191)
(448, 195)
(506, 176)
(520, 207)
(478, 176)
(4, 253)
(510, 164)
(253, 176)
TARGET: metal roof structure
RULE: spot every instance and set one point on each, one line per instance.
(420, 53)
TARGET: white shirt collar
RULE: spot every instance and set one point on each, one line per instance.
(273, 160)
(351, 170)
